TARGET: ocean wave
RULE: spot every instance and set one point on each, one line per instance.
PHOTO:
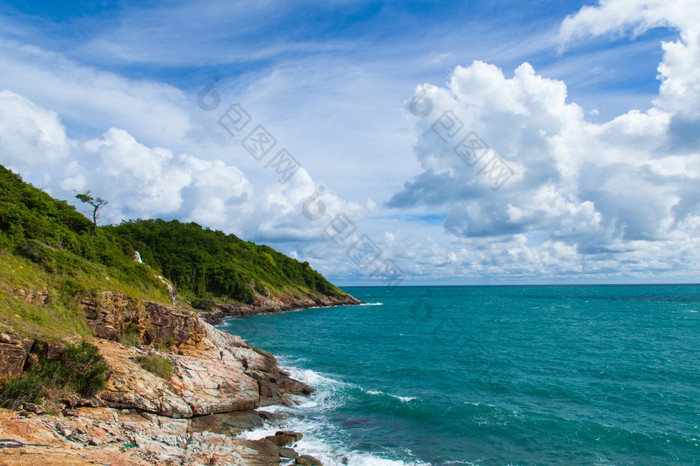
(403, 399)
(322, 438)
(371, 304)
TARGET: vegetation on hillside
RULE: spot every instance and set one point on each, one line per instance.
(208, 263)
(80, 369)
(51, 256)
(46, 244)
(47, 249)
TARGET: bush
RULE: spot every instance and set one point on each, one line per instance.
(81, 369)
(205, 303)
(23, 389)
(156, 365)
(85, 369)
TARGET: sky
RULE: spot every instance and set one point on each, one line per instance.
(387, 143)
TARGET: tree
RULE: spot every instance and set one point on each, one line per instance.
(96, 203)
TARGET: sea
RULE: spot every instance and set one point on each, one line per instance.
(493, 375)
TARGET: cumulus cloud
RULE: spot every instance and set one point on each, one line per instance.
(29, 134)
(140, 181)
(627, 187)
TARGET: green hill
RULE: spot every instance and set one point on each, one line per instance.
(50, 256)
(209, 264)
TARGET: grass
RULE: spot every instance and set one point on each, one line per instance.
(81, 369)
(156, 365)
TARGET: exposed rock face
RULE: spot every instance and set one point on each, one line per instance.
(221, 373)
(212, 372)
(111, 315)
(14, 350)
(106, 436)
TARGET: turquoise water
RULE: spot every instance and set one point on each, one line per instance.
(496, 375)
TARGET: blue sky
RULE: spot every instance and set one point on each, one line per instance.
(582, 102)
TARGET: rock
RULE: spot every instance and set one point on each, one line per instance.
(297, 435)
(206, 379)
(14, 351)
(54, 350)
(68, 412)
(233, 423)
(75, 401)
(281, 440)
(288, 453)
(308, 460)
(267, 305)
(110, 315)
(268, 416)
(32, 360)
(32, 408)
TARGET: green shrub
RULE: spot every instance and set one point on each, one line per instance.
(205, 303)
(156, 365)
(131, 336)
(23, 389)
(85, 368)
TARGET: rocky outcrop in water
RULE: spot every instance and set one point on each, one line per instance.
(267, 305)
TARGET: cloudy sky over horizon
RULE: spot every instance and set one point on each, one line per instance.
(448, 142)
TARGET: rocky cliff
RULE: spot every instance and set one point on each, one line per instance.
(147, 418)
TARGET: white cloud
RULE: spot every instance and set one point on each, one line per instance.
(91, 99)
(585, 198)
(146, 182)
(678, 71)
(30, 134)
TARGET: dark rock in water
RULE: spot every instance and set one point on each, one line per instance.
(359, 422)
(288, 453)
(308, 460)
(268, 416)
(267, 305)
(260, 453)
(297, 435)
(275, 388)
(281, 440)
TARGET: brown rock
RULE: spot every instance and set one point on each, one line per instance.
(68, 412)
(14, 350)
(281, 440)
(32, 408)
(308, 460)
(54, 350)
(297, 435)
(288, 453)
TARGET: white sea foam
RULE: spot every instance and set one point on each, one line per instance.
(322, 439)
(371, 304)
(403, 399)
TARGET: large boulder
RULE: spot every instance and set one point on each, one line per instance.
(222, 373)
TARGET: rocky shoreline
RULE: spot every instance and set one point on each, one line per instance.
(215, 390)
(266, 305)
